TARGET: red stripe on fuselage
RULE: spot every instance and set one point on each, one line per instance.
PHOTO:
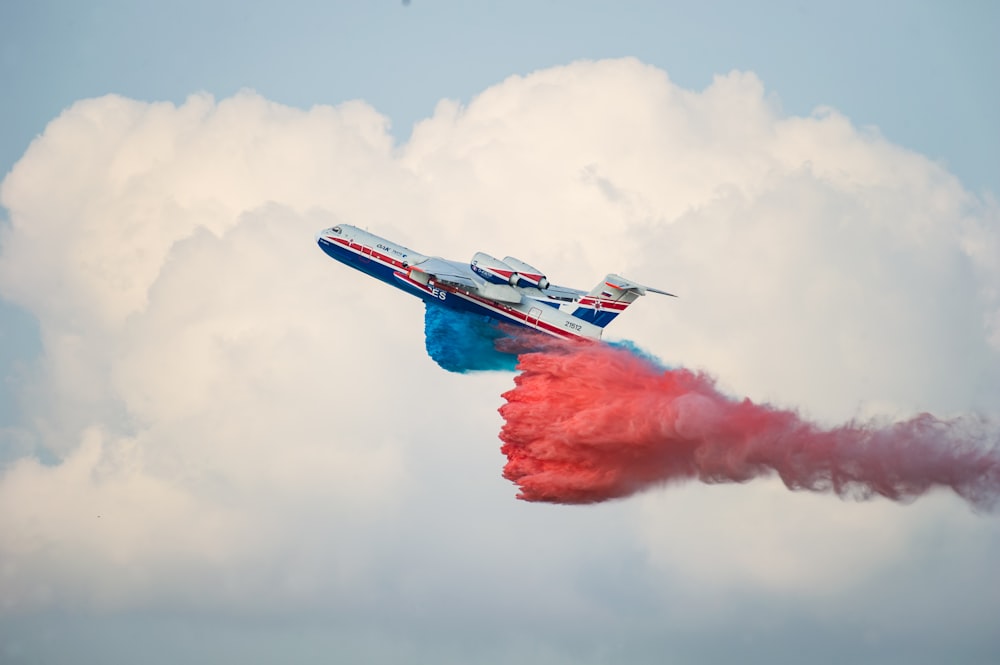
(366, 251)
(509, 312)
(602, 303)
(403, 277)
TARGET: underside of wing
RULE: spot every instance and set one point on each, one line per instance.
(443, 271)
(460, 275)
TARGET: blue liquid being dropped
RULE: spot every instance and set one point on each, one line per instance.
(464, 342)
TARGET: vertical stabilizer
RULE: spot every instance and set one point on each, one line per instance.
(607, 300)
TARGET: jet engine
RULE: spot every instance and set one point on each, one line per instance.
(527, 275)
(494, 270)
(509, 271)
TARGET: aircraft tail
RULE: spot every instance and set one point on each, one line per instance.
(609, 298)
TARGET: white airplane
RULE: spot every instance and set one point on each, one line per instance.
(509, 291)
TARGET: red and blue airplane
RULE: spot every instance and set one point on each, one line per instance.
(510, 291)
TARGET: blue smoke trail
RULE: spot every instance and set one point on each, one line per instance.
(464, 342)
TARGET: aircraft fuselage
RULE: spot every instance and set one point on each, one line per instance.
(457, 285)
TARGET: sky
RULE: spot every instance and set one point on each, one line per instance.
(217, 445)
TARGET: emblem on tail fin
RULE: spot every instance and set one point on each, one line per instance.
(609, 298)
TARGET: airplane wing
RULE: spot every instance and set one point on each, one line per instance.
(443, 271)
(459, 274)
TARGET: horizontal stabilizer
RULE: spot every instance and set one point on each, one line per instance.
(622, 284)
(609, 299)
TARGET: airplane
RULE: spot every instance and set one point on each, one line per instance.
(510, 291)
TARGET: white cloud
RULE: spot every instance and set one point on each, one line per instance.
(256, 424)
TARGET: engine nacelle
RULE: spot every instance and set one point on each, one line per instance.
(493, 270)
(527, 275)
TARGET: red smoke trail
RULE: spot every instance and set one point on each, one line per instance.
(588, 422)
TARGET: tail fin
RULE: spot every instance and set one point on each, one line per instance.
(610, 298)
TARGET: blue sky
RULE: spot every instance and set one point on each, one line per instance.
(919, 71)
(383, 563)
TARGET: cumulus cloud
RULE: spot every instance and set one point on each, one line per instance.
(229, 410)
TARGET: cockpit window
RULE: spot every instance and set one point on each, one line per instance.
(336, 229)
